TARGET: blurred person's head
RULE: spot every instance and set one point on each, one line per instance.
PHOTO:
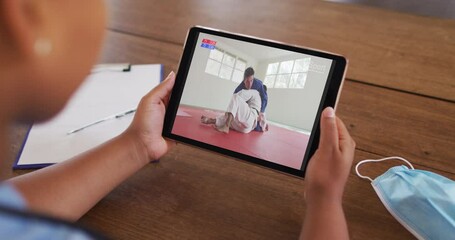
(47, 48)
(248, 77)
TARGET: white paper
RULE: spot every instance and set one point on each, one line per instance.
(102, 94)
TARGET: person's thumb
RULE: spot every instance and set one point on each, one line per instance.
(329, 132)
(162, 91)
(168, 83)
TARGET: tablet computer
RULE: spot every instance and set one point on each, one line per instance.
(252, 99)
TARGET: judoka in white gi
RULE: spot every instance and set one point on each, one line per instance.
(242, 113)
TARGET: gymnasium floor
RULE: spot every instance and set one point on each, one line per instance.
(278, 145)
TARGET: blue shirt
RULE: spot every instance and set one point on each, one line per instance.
(257, 85)
(26, 227)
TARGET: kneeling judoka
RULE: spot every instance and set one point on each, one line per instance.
(242, 113)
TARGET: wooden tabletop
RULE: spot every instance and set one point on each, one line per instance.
(398, 99)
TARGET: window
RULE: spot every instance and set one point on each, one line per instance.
(225, 65)
(240, 66)
(214, 62)
(287, 74)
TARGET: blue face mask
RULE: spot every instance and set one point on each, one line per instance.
(423, 202)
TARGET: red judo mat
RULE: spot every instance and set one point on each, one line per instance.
(278, 145)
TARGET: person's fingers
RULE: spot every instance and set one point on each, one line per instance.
(329, 132)
(346, 141)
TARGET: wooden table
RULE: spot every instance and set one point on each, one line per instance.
(398, 100)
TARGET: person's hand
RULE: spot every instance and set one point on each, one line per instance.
(328, 169)
(261, 117)
(147, 125)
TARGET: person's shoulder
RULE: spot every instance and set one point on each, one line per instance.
(257, 84)
(257, 81)
(238, 88)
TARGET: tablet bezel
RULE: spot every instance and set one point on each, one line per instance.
(329, 97)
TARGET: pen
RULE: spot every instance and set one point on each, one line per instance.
(115, 116)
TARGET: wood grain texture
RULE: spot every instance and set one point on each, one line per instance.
(120, 47)
(366, 215)
(382, 121)
(400, 103)
(194, 194)
(390, 123)
(400, 51)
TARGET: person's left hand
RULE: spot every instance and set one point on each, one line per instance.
(147, 125)
(329, 168)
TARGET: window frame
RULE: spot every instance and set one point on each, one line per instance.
(233, 68)
(293, 72)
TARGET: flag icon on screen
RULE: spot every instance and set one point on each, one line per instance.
(207, 43)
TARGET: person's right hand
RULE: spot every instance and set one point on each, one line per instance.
(328, 169)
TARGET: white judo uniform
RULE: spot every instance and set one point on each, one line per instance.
(244, 107)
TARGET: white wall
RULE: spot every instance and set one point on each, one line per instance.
(292, 107)
(205, 90)
(296, 107)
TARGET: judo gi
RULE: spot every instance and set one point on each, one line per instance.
(244, 107)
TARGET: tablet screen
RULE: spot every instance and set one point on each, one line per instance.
(251, 99)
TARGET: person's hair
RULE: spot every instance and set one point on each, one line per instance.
(265, 87)
(248, 72)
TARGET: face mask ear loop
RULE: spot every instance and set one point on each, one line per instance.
(357, 169)
(378, 160)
